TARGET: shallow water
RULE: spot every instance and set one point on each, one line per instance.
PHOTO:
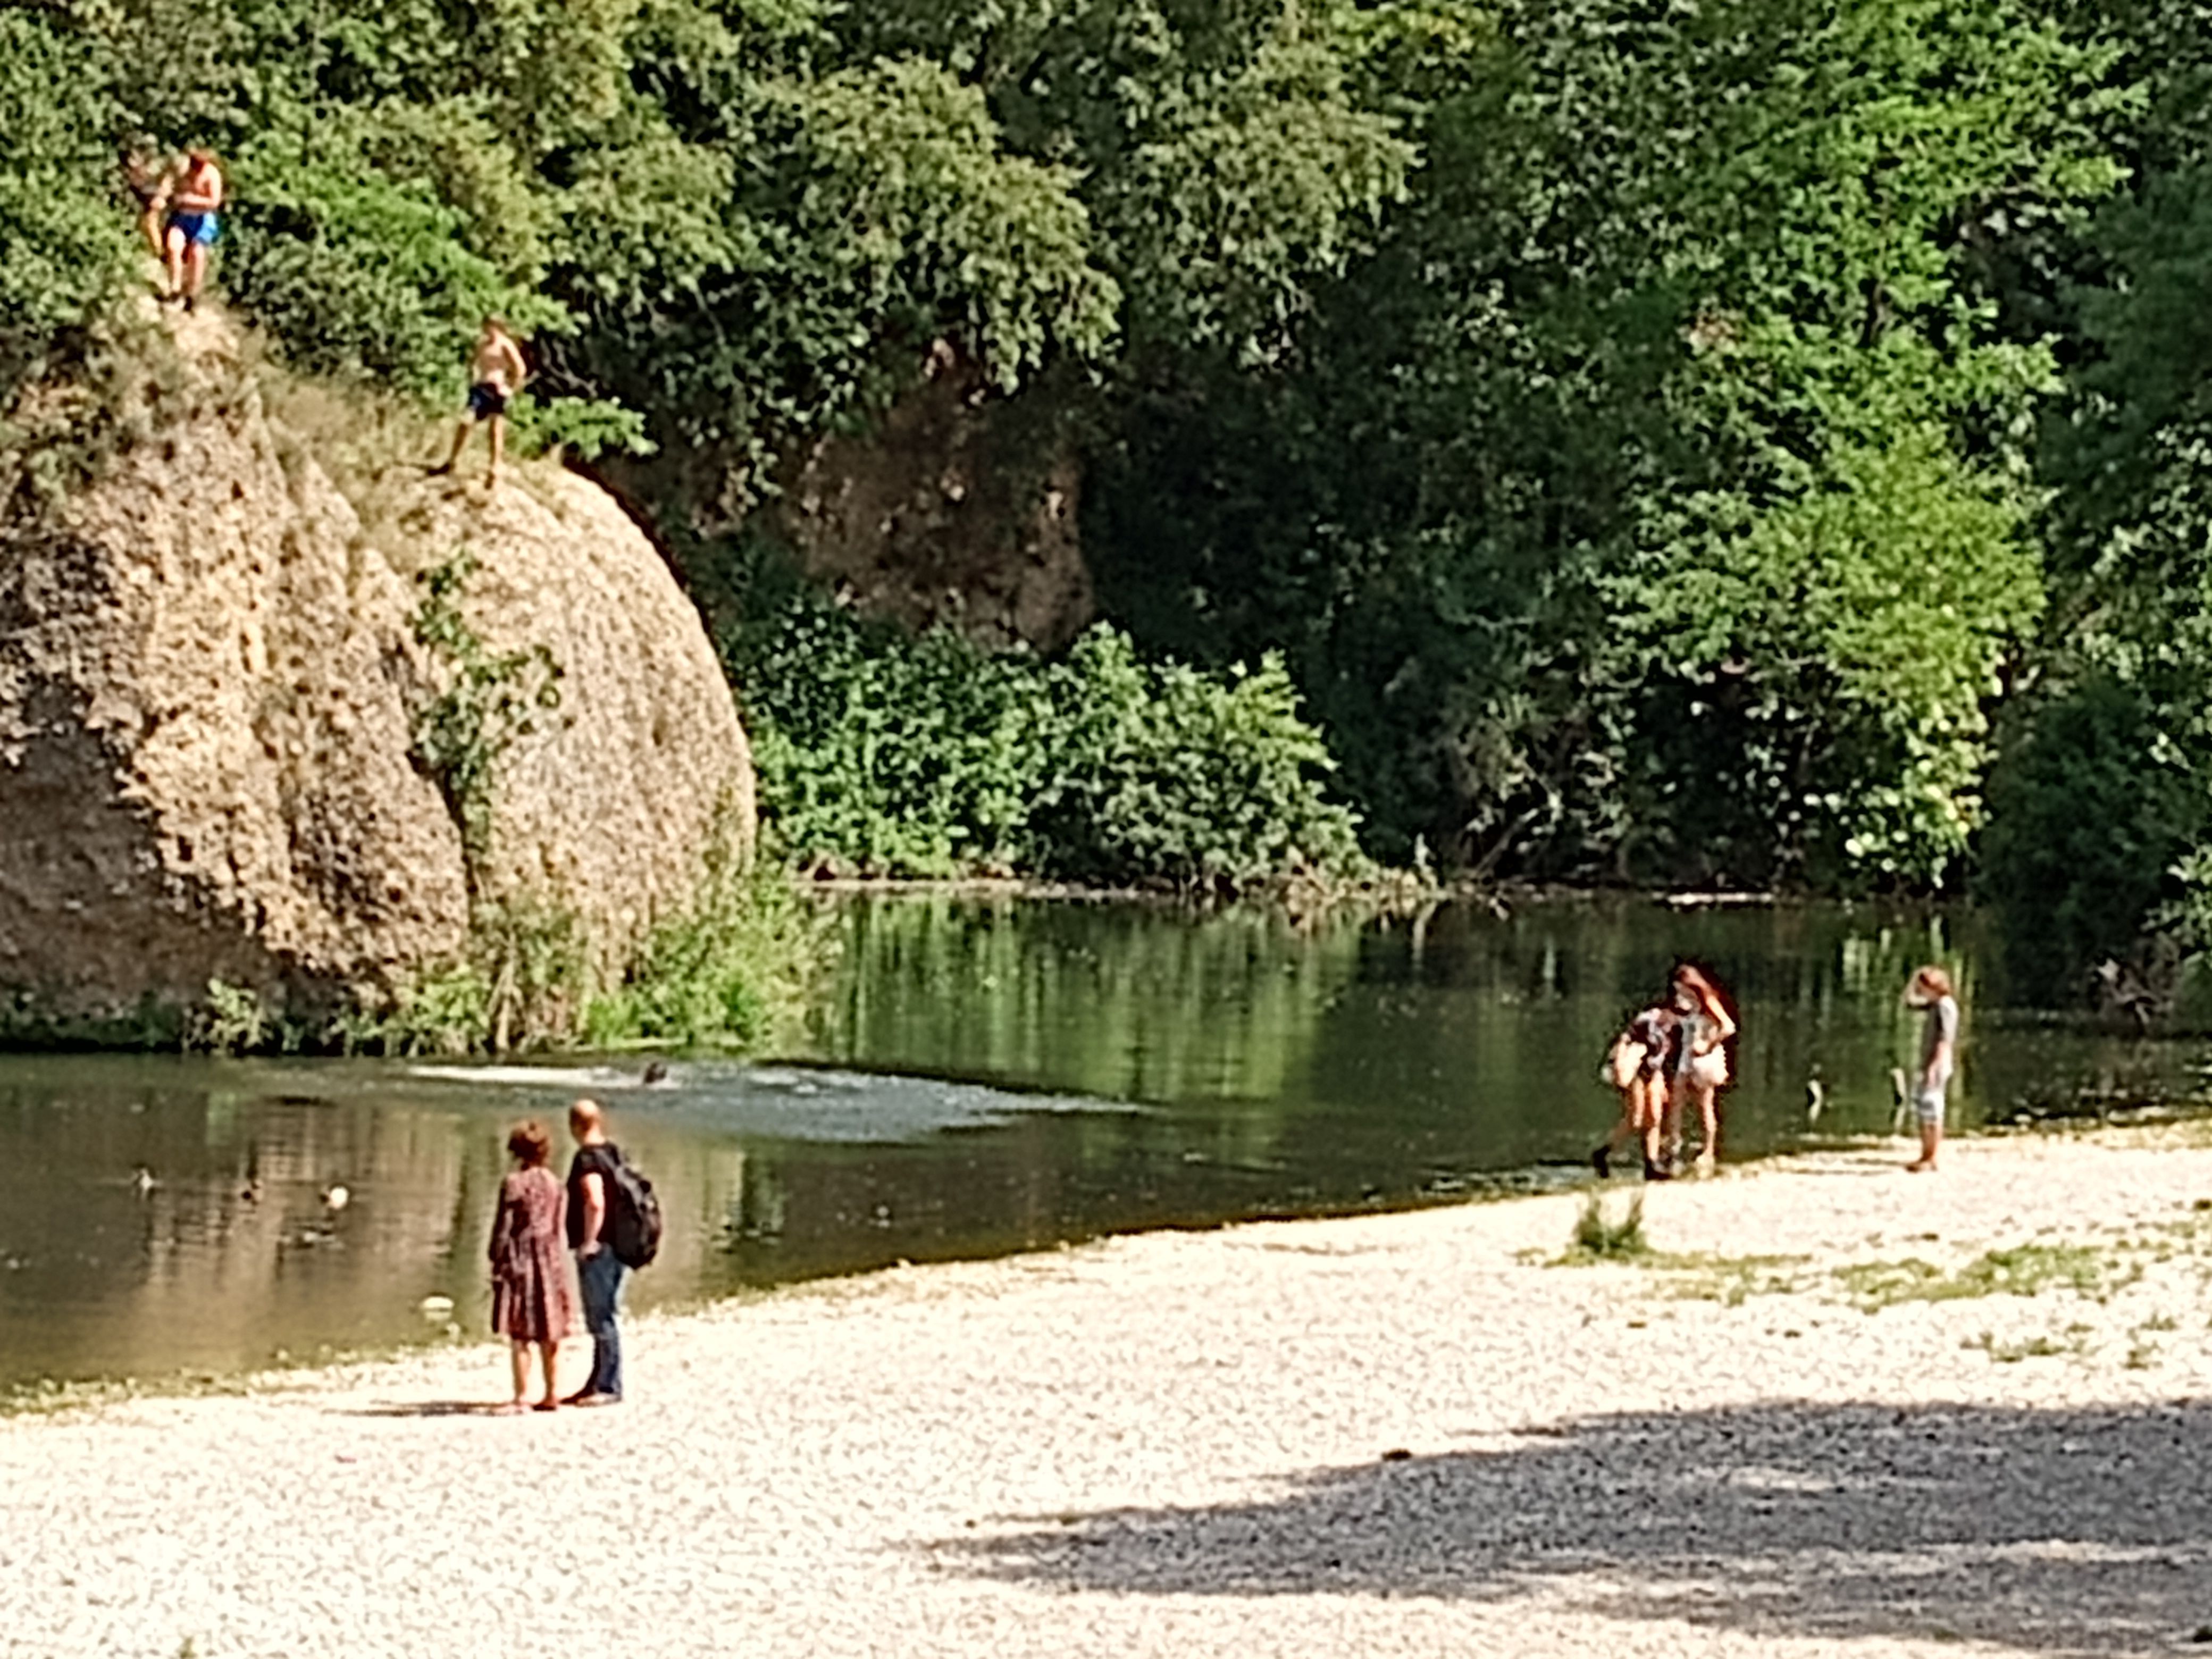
(989, 1075)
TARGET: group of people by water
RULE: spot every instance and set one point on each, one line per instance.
(553, 1255)
(1674, 1054)
(179, 213)
(180, 202)
(552, 1251)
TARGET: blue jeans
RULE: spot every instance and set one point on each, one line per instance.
(600, 1277)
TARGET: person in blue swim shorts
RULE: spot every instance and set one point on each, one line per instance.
(195, 202)
(496, 371)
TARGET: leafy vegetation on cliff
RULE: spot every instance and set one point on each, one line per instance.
(1760, 443)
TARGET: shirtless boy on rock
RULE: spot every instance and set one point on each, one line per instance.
(497, 373)
(194, 197)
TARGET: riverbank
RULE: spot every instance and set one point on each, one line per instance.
(1413, 1433)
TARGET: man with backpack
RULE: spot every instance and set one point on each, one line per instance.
(614, 1224)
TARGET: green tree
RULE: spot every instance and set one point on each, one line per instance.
(64, 244)
(1613, 508)
(2095, 808)
(930, 756)
(2102, 808)
(1227, 153)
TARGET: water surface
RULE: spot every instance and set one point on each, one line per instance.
(988, 1075)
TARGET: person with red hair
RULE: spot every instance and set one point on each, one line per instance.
(1701, 1067)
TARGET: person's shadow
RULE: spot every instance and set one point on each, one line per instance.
(2064, 1532)
(433, 1408)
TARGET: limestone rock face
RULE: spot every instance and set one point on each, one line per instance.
(955, 511)
(609, 804)
(208, 684)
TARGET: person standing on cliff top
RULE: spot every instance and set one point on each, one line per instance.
(1929, 991)
(146, 177)
(195, 196)
(496, 371)
(599, 1272)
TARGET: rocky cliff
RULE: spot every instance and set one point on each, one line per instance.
(210, 692)
(957, 509)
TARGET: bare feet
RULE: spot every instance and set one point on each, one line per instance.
(1920, 1166)
(544, 1406)
(513, 1408)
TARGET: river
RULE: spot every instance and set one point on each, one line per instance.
(987, 1074)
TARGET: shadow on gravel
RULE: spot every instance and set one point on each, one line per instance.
(2082, 1532)
(432, 1408)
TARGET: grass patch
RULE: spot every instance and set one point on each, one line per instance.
(2073, 1342)
(1599, 1237)
(1730, 1281)
(2022, 1270)
(1693, 1276)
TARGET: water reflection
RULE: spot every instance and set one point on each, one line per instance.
(990, 1075)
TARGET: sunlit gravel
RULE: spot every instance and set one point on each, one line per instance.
(1411, 1434)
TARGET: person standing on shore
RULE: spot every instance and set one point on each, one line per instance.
(1929, 991)
(1701, 1067)
(1637, 1065)
(532, 1301)
(599, 1274)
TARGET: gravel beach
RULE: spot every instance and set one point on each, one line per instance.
(1844, 1411)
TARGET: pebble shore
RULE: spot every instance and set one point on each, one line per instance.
(1415, 1434)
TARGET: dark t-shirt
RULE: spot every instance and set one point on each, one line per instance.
(599, 1160)
(1660, 1032)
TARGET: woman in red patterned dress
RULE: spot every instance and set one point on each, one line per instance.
(532, 1301)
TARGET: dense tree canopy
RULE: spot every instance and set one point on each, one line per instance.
(1658, 493)
(1670, 442)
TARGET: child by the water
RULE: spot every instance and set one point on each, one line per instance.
(1929, 991)
(1637, 1065)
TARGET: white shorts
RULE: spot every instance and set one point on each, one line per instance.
(1928, 1100)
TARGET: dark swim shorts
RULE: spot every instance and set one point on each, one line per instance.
(486, 400)
(199, 228)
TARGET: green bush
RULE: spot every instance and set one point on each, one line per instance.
(1599, 1237)
(2091, 812)
(1155, 769)
(931, 756)
(65, 247)
(727, 971)
(361, 274)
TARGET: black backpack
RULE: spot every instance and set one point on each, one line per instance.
(633, 1224)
